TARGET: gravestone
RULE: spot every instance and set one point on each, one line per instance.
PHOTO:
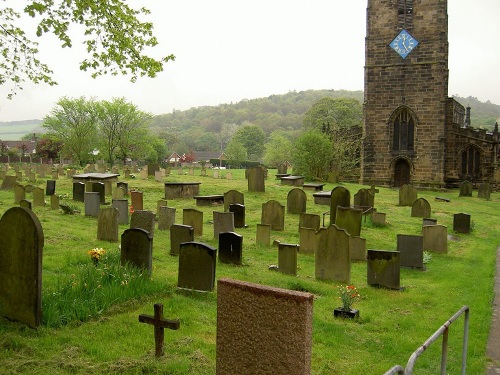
(229, 176)
(137, 249)
(263, 234)
(136, 200)
(143, 174)
(349, 219)
(421, 208)
(216, 174)
(282, 168)
(122, 206)
(287, 258)
(411, 251)
(54, 202)
(238, 211)
(29, 188)
(272, 333)
(152, 168)
(308, 240)
(193, 218)
(312, 221)
(428, 221)
(21, 245)
(50, 187)
(223, 222)
(123, 185)
(465, 189)
(38, 197)
(233, 197)
(161, 203)
(378, 218)
(383, 269)
(19, 193)
(79, 191)
(462, 223)
(119, 193)
(143, 219)
(364, 199)
(407, 195)
(91, 203)
(435, 238)
(340, 196)
(273, 213)
(166, 217)
(98, 187)
(332, 258)
(158, 176)
(230, 248)
(484, 191)
(8, 182)
(179, 234)
(25, 204)
(357, 248)
(107, 224)
(197, 263)
(296, 201)
(256, 181)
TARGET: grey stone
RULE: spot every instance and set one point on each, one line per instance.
(197, 262)
(332, 259)
(91, 204)
(296, 202)
(364, 199)
(79, 191)
(462, 223)
(383, 269)
(223, 222)
(238, 211)
(179, 234)
(233, 197)
(230, 248)
(263, 234)
(38, 197)
(349, 219)
(19, 193)
(122, 206)
(308, 240)
(411, 250)
(98, 187)
(256, 179)
(25, 204)
(273, 213)
(166, 217)
(421, 208)
(193, 218)
(465, 189)
(407, 195)
(143, 219)
(357, 248)
(107, 224)
(340, 196)
(137, 249)
(287, 258)
(54, 202)
(435, 238)
(312, 221)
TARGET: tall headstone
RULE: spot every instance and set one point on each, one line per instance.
(411, 250)
(25, 204)
(308, 240)
(143, 219)
(340, 197)
(238, 211)
(273, 213)
(484, 191)
(332, 258)
(233, 197)
(161, 203)
(272, 332)
(21, 245)
(79, 191)
(296, 202)
(435, 238)
(98, 187)
(123, 185)
(421, 208)
(357, 248)
(263, 234)
(50, 187)
(364, 199)
(383, 269)
(54, 202)
(137, 249)
(166, 217)
(179, 234)
(8, 182)
(282, 168)
(193, 218)
(462, 223)
(136, 200)
(312, 221)
(122, 206)
(230, 248)
(19, 193)
(223, 222)
(38, 197)
(197, 262)
(407, 195)
(287, 258)
(465, 189)
(91, 203)
(349, 219)
(256, 182)
(107, 224)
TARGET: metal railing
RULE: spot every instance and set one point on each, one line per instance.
(443, 330)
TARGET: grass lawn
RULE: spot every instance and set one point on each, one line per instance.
(91, 315)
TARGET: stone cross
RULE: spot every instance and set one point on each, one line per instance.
(160, 324)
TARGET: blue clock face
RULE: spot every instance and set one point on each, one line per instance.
(404, 43)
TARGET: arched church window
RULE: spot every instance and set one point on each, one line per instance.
(471, 162)
(403, 131)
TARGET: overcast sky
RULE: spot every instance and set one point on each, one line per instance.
(229, 50)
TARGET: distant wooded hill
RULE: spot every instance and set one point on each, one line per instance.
(15, 130)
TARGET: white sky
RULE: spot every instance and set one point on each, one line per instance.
(228, 50)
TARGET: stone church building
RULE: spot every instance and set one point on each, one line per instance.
(412, 131)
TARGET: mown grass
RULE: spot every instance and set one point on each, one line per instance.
(105, 336)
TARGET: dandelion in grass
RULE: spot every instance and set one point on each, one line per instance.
(96, 254)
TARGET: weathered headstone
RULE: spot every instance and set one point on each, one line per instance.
(143, 219)
(273, 213)
(309, 221)
(122, 206)
(98, 187)
(332, 258)
(123, 185)
(484, 190)
(143, 174)
(193, 218)
(137, 249)
(233, 197)
(296, 202)
(136, 200)
(38, 197)
(25, 204)
(19, 193)
(282, 168)
(223, 222)
(383, 269)
(407, 195)
(465, 189)
(272, 333)
(79, 191)
(435, 238)
(340, 196)
(349, 219)
(462, 223)
(161, 203)
(91, 203)
(54, 202)
(21, 245)
(197, 262)
(357, 248)
(421, 208)
(166, 217)
(411, 250)
(364, 199)
(152, 168)
(179, 234)
(256, 181)
(8, 182)
(230, 248)
(287, 258)
(107, 224)
(429, 221)
(119, 193)
(50, 187)
(308, 240)
(238, 211)
(378, 218)
(263, 234)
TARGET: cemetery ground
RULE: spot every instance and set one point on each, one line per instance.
(90, 314)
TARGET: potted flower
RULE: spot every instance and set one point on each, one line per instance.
(96, 254)
(348, 294)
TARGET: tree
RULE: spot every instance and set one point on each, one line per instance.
(312, 155)
(235, 152)
(74, 122)
(278, 149)
(252, 138)
(48, 148)
(115, 40)
(118, 118)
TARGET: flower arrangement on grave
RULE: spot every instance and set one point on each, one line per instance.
(96, 254)
(348, 294)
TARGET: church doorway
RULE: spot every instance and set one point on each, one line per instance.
(401, 173)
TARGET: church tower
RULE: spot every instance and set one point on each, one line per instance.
(406, 105)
